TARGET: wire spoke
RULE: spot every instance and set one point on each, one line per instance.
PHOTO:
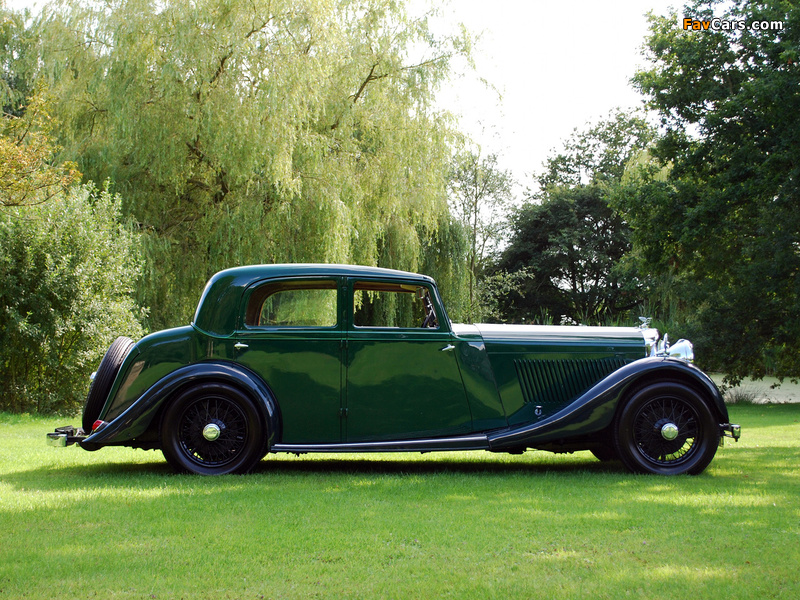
(224, 414)
(647, 430)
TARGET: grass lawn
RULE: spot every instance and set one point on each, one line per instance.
(118, 524)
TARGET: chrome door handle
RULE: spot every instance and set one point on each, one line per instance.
(240, 346)
(447, 348)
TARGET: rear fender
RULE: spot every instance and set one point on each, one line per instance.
(141, 415)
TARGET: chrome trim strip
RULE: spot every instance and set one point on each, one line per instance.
(467, 442)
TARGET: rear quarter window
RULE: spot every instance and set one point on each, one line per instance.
(293, 304)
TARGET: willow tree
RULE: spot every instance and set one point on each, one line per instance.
(258, 131)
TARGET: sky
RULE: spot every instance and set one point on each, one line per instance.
(556, 65)
(552, 66)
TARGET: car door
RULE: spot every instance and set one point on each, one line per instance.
(291, 334)
(402, 378)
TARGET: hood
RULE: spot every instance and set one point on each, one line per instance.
(632, 342)
(555, 333)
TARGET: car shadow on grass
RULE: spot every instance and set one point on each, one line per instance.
(99, 475)
(383, 465)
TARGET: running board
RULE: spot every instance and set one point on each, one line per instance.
(469, 442)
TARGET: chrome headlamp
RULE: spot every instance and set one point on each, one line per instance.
(682, 349)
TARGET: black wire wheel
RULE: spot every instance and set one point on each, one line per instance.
(668, 429)
(212, 429)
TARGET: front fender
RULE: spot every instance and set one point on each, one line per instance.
(139, 416)
(595, 409)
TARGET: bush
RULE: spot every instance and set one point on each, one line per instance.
(67, 271)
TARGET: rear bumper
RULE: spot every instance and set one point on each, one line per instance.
(65, 436)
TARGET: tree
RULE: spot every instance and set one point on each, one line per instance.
(67, 265)
(598, 154)
(16, 50)
(480, 194)
(726, 219)
(572, 243)
(27, 149)
(67, 271)
(261, 131)
(27, 175)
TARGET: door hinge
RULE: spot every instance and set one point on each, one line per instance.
(342, 413)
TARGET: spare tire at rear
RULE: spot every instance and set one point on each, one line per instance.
(104, 379)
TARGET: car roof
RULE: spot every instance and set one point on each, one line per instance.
(219, 304)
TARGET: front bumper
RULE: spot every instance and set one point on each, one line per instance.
(730, 430)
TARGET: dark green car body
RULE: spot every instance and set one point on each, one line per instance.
(337, 358)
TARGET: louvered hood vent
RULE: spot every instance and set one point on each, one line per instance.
(548, 382)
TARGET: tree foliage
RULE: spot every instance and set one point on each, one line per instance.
(16, 50)
(568, 238)
(67, 270)
(598, 154)
(67, 266)
(27, 172)
(480, 197)
(725, 221)
(261, 131)
(570, 244)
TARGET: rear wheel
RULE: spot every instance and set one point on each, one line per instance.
(212, 429)
(666, 428)
(104, 379)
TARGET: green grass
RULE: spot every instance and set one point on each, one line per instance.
(118, 524)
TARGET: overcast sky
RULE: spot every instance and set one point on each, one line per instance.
(555, 66)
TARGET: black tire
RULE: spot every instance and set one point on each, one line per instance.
(241, 437)
(658, 412)
(103, 380)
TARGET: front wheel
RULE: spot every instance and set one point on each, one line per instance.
(666, 428)
(212, 429)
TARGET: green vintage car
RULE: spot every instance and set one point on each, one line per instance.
(337, 358)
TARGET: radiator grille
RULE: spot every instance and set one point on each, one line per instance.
(549, 382)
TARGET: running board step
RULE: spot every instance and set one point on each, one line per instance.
(471, 442)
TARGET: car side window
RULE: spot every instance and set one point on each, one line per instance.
(405, 306)
(293, 304)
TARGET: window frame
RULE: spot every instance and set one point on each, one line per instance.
(250, 300)
(391, 286)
